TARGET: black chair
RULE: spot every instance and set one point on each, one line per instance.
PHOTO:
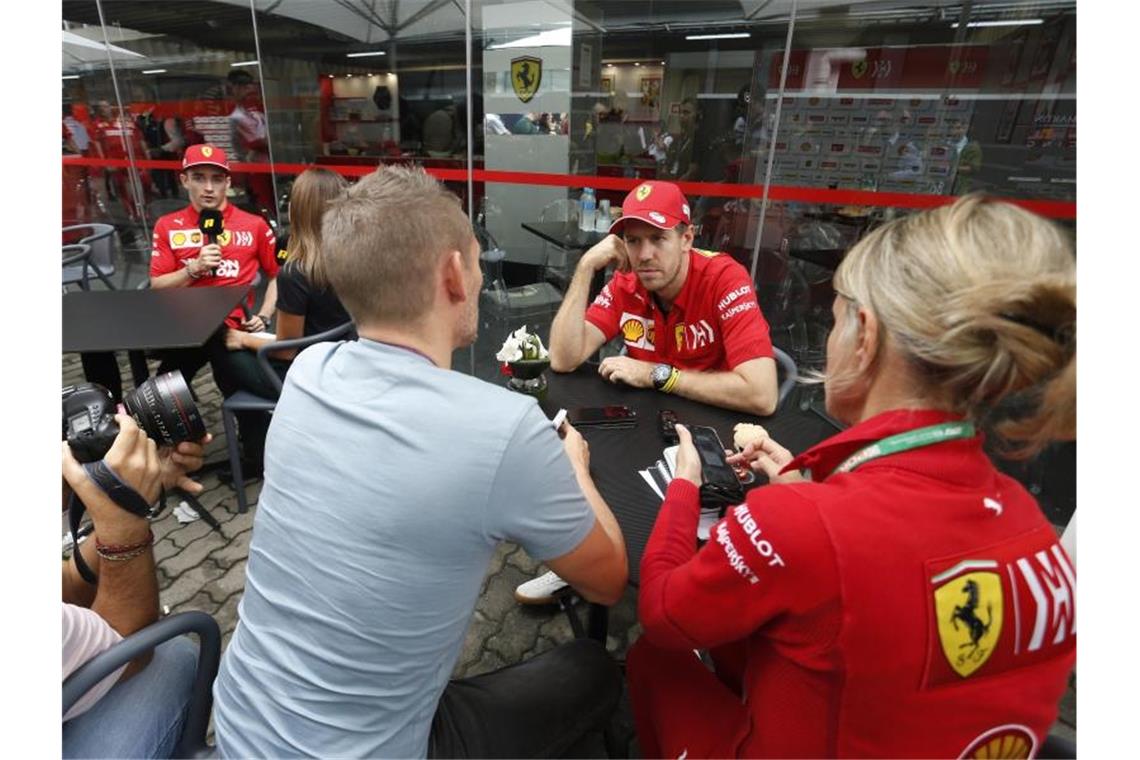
(245, 401)
(192, 743)
(76, 266)
(1057, 747)
(102, 259)
(791, 374)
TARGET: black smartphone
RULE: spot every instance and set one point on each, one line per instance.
(667, 422)
(615, 415)
(714, 467)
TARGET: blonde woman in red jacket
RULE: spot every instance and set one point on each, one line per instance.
(890, 593)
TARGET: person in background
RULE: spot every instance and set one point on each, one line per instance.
(890, 593)
(969, 154)
(374, 530)
(306, 303)
(137, 711)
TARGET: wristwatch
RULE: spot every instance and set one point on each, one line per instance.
(661, 375)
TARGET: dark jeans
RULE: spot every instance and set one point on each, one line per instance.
(233, 371)
(548, 706)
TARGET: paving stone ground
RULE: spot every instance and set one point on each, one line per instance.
(203, 569)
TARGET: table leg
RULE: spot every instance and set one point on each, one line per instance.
(196, 505)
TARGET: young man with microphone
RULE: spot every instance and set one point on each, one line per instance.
(212, 243)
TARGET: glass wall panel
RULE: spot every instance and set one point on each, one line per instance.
(884, 108)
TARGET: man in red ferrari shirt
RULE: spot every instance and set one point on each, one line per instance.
(183, 258)
(689, 318)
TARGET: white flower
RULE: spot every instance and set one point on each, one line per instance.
(521, 345)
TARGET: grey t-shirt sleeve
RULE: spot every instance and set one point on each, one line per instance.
(535, 499)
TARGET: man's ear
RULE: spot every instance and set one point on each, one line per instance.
(184, 178)
(687, 238)
(452, 274)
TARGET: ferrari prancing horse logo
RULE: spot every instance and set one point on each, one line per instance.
(526, 76)
(969, 613)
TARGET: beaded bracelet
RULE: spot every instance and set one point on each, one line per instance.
(120, 556)
(116, 552)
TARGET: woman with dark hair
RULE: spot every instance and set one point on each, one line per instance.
(306, 304)
(889, 593)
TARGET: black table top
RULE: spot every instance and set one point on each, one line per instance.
(616, 455)
(125, 320)
(565, 235)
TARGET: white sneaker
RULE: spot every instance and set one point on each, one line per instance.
(540, 590)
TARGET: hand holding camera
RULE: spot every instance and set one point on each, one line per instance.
(134, 460)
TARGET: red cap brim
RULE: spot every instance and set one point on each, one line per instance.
(615, 228)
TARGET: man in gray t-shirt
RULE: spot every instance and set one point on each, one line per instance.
(389, 481)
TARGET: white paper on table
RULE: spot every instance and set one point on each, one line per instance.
(649, 479)
(704, 526)
(671, 459)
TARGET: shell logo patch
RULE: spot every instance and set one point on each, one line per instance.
(968, 607)
(643, 192)
(207, 151)
(185, 238)
(637, 331)
(1008, 741)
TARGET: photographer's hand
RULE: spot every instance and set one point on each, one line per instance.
(134, 459)
(176, 462)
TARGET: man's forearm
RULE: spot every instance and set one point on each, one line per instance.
(127, 593)
(601, 510)
(727, 390)
(568, 331)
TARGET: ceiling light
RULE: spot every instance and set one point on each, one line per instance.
(71, 76)
(1023, 22)
(330, 76)
(726, 36)
(349, 76)
(367, 54)
(243, 63)
(637, 63)
(154, 71)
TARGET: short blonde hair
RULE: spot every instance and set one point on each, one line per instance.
(383, 239)
(980, 298)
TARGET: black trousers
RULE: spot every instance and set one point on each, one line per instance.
(556, 704)
(103, 368)
(233, 371)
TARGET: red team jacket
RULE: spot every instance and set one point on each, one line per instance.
(919, 606)
(714, 324)
(247, 243)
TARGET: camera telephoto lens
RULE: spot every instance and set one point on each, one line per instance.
(165, 409)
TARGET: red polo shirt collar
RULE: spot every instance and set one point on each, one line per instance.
(956, 461)
(687, 289)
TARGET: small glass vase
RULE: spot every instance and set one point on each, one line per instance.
(528, 376)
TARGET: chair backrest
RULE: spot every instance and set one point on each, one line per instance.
(76, 261)
(267, 370)
(192, 743)
(101, 238)
(791, 375)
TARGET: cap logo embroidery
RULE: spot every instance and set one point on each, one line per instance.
(643, 192)
(657, 217)
(685, 208)
(207, 151)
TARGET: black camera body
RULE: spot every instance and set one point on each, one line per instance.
(89, 425)
(162, 406)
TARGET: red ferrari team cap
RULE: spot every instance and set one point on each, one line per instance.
(661, 204)
(205, 154)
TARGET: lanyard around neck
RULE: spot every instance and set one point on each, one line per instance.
(912, 439)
